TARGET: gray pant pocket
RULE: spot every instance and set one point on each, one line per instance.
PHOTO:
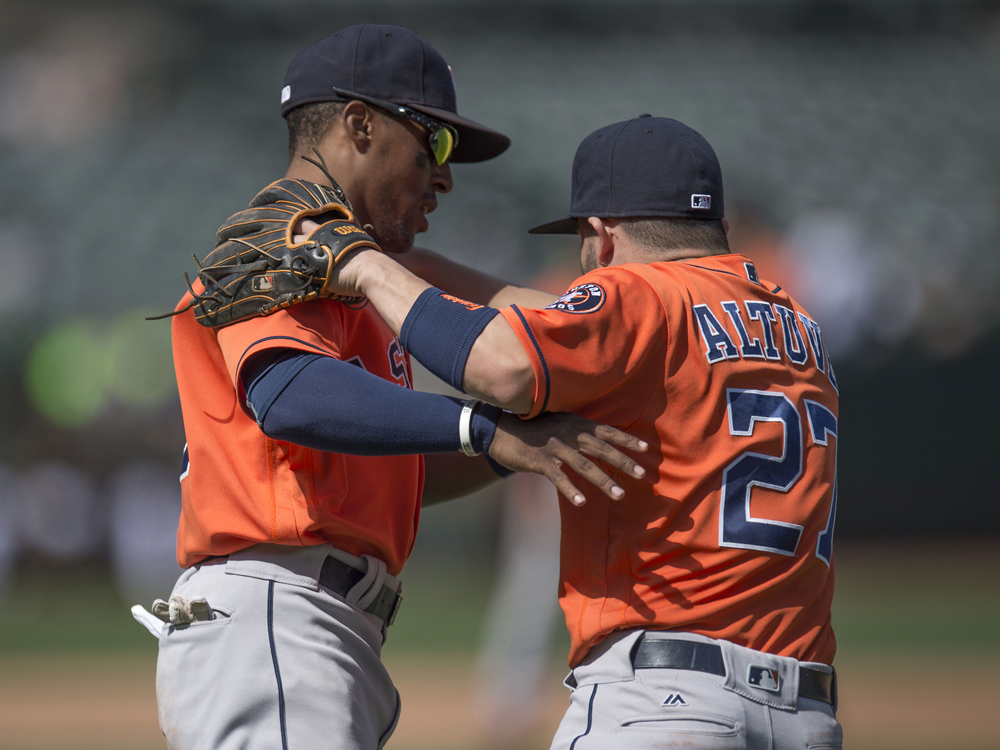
(221, 615)
(704, 731)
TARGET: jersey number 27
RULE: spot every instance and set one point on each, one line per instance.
(737, 528)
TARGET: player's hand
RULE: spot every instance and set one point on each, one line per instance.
(546, 443)
(303, 229)
(344, 277)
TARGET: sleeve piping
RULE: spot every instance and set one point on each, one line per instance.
(541, 358)
(276, 338)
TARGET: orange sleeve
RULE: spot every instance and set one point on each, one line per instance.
(316, 327)
(591, 340)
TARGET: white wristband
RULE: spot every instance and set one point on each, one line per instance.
(465, 426)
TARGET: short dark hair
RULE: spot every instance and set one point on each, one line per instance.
(308, 124)
(676, 233)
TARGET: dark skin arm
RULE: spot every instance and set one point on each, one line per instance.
(498, 369)
(543, 445)
(503, 375)
(468, 283)
(452, 475)
(448, 476)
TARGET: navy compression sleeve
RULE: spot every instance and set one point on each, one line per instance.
(323, 403)
(440, 331)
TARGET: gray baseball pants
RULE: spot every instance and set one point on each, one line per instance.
(616, 706)
(284, 664)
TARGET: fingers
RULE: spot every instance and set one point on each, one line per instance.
(566, 488)
(598, 440)
(606, 452)
(545, 444)
(629, 442)
(587, 469)
(303, 229)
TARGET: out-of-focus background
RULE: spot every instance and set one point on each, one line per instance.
(860, 142)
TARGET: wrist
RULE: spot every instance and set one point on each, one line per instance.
(485, 418)
(477, 431)
(502, 471)
(477, 426)
(367, 275)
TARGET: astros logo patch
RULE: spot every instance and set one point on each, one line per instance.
(585, 298)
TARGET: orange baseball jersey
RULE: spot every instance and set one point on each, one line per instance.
(240, 487)
(727, 378)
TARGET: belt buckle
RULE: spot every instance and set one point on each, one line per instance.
(395, 605)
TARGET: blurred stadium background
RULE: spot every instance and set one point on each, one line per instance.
(860, 143)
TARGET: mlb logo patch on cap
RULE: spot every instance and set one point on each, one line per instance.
(657, 167)
(764, 678)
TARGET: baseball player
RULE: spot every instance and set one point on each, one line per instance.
(698, 604)
(303, 474)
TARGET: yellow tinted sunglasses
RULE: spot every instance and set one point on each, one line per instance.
(442, 138)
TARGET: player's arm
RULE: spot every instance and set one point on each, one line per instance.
(326, 404)
(479, 352)
(452, 475)
(538, 444)
(468, 283)
(527, 361)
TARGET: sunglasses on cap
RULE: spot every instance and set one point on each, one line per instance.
(443, 137)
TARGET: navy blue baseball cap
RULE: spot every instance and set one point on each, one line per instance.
(390, 63)
(648, 167)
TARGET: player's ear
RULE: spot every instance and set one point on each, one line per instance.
(725, 226)
(605, 238)
(358, 123)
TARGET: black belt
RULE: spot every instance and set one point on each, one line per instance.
(340, 577)
(707, 657)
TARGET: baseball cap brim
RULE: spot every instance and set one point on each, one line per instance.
(565, 225)
(475, 142)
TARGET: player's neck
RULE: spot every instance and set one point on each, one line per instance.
(300, 168)
(661, 256)
(305, 167)
(640, 254)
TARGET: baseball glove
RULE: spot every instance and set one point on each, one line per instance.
(256, 269)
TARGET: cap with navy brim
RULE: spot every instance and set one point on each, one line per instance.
(390, 63)
(565, 225)
(650, 167)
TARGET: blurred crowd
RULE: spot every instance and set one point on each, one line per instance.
(869, 297)
(56, 513)
(860, 152)
(859, 147)
(866, 152)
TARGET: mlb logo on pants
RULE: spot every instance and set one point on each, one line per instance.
(764, 678)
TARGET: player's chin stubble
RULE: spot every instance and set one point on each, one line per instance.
(391, 232)
(588, 261)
